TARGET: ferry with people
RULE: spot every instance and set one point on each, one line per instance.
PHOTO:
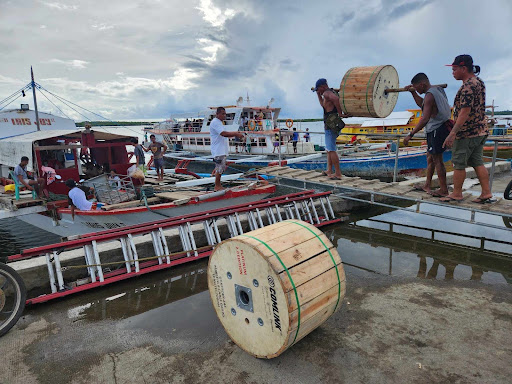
(191, 131)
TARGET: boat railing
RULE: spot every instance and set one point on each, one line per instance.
(112, 191)
(496, 140)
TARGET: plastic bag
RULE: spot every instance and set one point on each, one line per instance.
(138, 174)
(130, 170)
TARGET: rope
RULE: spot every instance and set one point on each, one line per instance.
(64, 100)
(40, 91)
(58, 98)
(138, 260)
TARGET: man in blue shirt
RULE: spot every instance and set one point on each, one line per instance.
(295, 139)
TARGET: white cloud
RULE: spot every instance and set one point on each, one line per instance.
(151, 58)
(102, 27)
(78, 64)
(213, 14)
(60, 6)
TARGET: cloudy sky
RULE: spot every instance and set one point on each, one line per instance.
(147, 59)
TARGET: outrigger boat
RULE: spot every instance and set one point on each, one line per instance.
(89, 156)
(191, 131)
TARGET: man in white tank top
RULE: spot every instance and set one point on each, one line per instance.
(436, 111)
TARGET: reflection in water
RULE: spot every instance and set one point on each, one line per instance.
(382, 251)
(151, 291)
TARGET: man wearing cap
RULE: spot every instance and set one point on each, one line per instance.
(436, 112)
(470, 131)
(77, 197)
(330, 103)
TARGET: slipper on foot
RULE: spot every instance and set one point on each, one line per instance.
(335, 178)
(448, 199)
(419, 187)
(325, 174)
(487, 200)
(436, 193)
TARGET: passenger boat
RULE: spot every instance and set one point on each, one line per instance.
(365, 163)
(191, 131)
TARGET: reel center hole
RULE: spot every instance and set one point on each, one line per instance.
(244, 297)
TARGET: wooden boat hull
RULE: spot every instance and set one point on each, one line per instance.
(99, 220)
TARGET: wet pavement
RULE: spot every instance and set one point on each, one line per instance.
(428, 301)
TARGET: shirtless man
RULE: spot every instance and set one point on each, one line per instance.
(330, 103)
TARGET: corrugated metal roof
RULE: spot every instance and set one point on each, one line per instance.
(395, 118)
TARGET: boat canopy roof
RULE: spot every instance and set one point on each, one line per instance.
(13, 148)
(395, 118)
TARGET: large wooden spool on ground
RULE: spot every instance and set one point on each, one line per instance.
(362, 91)
(273, 286)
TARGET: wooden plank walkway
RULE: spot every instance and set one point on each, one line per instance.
(501, 206)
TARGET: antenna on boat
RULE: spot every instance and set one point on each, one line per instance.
(33, 84)
(270, 102)
(248, 100)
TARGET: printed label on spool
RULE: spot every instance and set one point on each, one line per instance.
(275, 308)
(219, 291)
(242, 268)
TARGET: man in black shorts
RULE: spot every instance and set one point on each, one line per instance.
(436, 112)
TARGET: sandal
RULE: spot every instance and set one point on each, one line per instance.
(449, 199)
(487, 200)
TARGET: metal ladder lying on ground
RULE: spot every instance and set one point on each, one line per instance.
(309, 206)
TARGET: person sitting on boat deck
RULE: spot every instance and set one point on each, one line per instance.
(470, 130)
(138, 151)
(77, 197)
(307, 135)
(114, 181)
(220, 144)
(436, 113)
(158, 156)
(20, 172)
(276, 142)
(333, 113)
(294, 139)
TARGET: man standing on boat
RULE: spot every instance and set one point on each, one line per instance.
(220, 144)
(295, 140)
(139, 155)
(330, 103)
(20, 172)
(435, 113)
(158, 150)
(470, 131)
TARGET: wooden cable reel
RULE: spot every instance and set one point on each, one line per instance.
(273, 286)
(363, 91)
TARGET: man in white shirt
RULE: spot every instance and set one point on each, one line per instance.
(77, 197)
(220, 144)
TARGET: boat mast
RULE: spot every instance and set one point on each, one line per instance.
(35, 99)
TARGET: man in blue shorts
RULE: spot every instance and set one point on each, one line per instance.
(158, 149)
(436, 112)
(330, 103)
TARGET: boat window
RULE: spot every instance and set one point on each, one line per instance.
(417, 114)
(192, 141)
(207, 141)
(199, 141)
(262, 142)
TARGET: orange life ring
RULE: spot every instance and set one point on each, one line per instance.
(289, 123)
(252, 125)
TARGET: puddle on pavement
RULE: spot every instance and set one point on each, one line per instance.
(176, 302)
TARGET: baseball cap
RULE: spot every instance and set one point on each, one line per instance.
(462, 61)
(70, 183)
(319, 83)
